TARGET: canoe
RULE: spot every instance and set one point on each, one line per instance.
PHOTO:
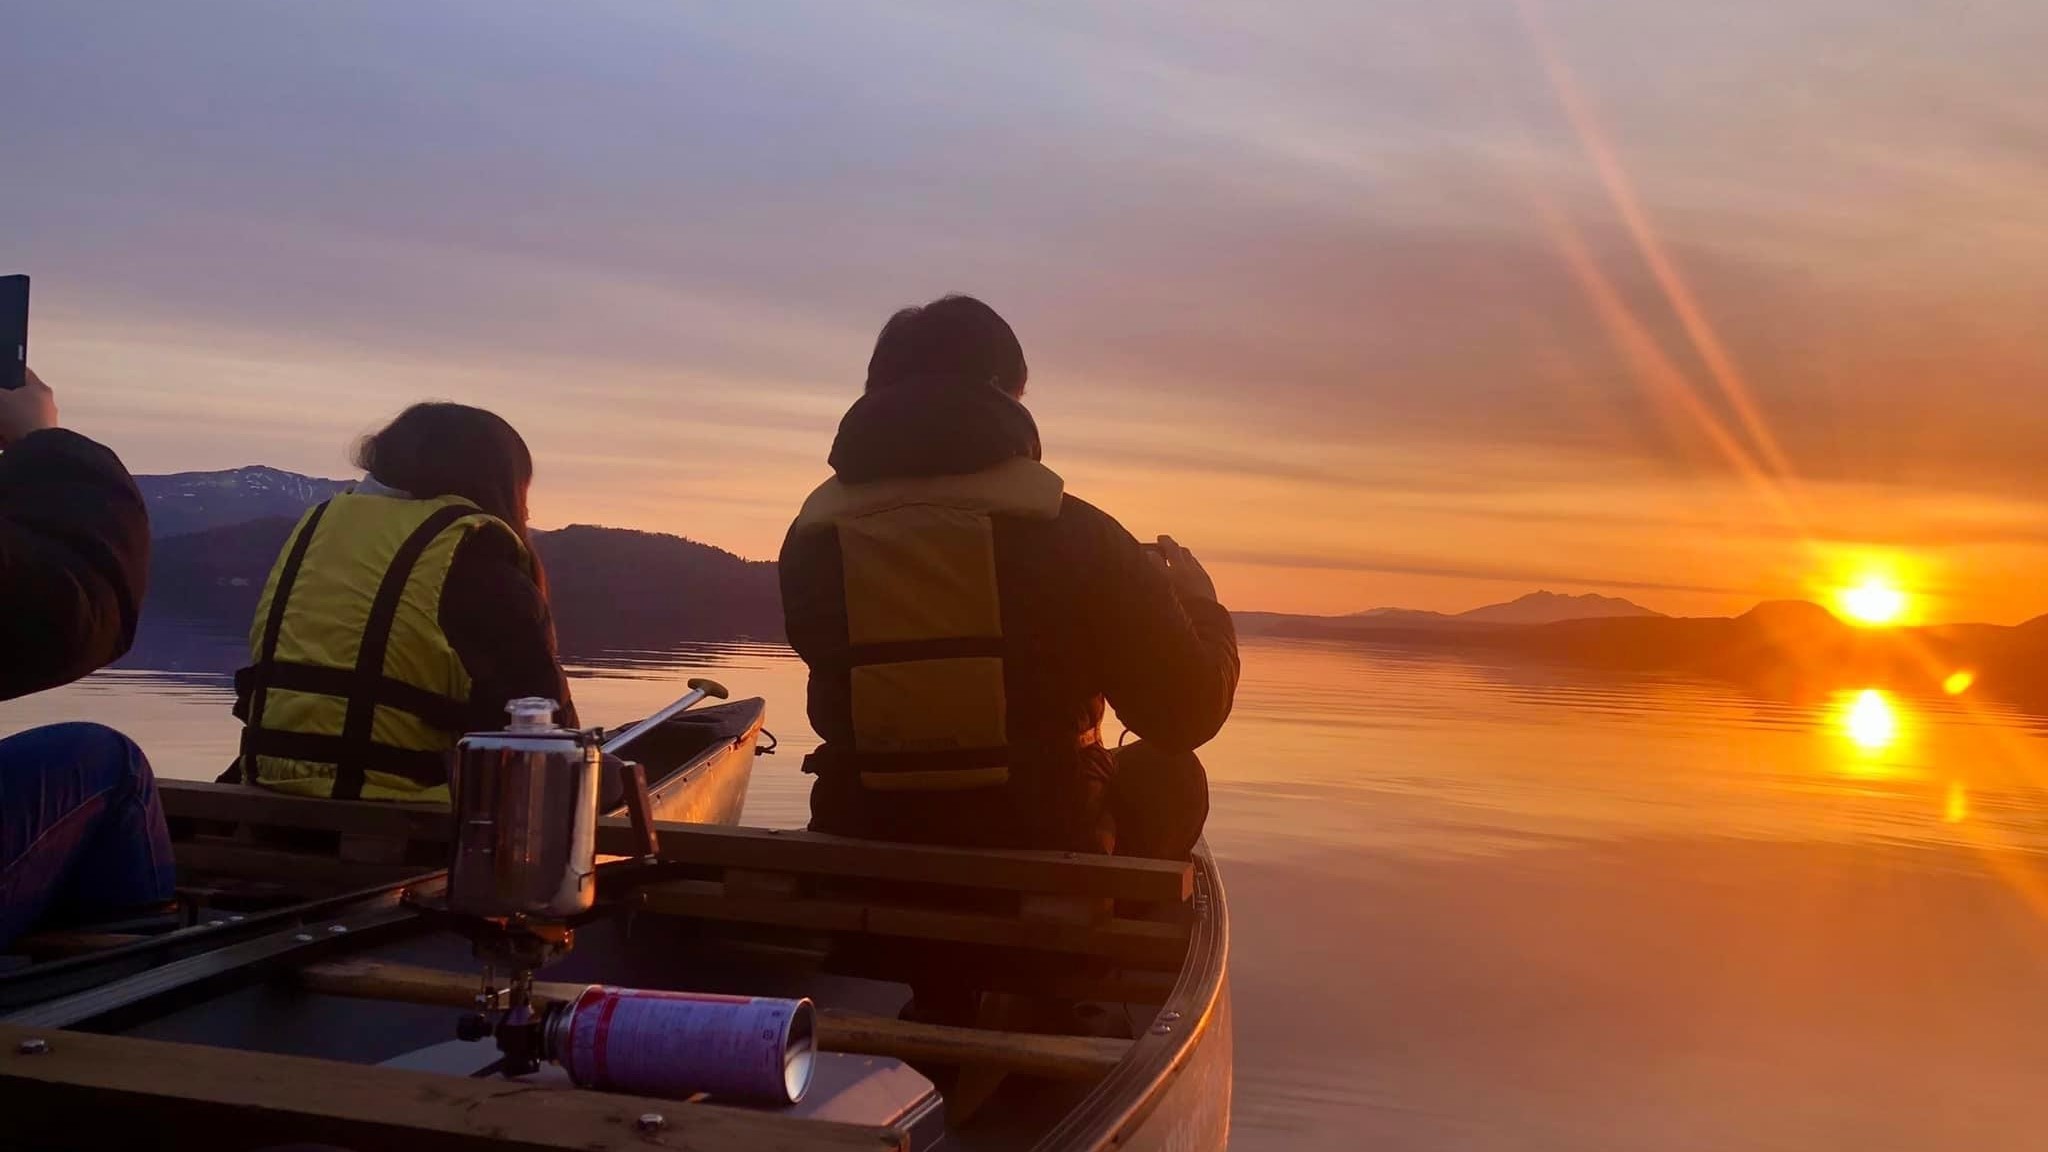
(233, 885)
(1101, 1014)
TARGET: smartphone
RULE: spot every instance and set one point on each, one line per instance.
(13, 330)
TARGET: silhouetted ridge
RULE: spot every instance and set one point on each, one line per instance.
(612, 587)
(184, 502)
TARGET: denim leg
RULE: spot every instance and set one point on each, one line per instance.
(81, 827)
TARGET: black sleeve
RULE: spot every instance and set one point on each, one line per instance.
(1168, 663)
(498, 622)
(74, 559)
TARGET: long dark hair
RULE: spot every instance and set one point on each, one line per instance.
(443, 449)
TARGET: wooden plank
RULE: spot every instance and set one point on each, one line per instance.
(1145, 943)
(1118, 985)
(1050, 1057)
(372, 849)
(116, 1091)
(760, 849)
(228, 858)
(237, 803)
(62, 943)
(1015, 1053)
(813, 853)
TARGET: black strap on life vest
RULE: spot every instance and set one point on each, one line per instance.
(369, 675)
(266, 655)
(906, 651)
(439, 711)
(424, 767)
(366, 688)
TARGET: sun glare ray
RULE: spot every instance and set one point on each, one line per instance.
(1620, 189)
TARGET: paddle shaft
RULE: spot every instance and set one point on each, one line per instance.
(699, 690)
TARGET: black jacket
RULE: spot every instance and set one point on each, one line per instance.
(74, 558)
(498, 622)
(1086, 615)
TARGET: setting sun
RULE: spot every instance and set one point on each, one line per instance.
(1873, 603)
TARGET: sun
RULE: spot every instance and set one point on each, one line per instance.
(1873, 603)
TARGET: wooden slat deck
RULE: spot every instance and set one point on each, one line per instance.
(240, 804)
(1141, 943)
(87, 1091)
(1044, 902)
(812, 853)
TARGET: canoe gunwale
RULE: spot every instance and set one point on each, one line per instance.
(1130, 1095)
(74, 975)
(691, 771)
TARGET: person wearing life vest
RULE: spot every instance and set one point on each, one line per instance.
(965, 618)
(400, 614)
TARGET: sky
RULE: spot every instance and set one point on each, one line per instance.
(1370, 302)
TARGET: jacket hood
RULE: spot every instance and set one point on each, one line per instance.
(936, 428)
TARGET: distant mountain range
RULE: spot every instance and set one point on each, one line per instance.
(185, 502)
(1786, 648)
(1534, 608)
(612, 588)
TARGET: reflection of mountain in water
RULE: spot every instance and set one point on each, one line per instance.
(182, 648)
(642, 663)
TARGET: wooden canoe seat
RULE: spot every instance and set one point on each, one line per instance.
(251, 839)
(996, 900)
(801, 853)
(1049, 902)
(756, 850)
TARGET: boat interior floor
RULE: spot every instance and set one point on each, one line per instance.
(969, 1108)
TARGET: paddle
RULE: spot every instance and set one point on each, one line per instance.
(699, 690)
(638, 807)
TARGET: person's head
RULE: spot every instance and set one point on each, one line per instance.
(442, 449)
(952, 340)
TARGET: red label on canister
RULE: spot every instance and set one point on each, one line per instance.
(676, 1044)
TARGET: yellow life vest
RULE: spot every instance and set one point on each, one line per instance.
(924, 621)
(353, 690)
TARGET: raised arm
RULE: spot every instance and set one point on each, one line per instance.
(1167, 648)
(74, 548)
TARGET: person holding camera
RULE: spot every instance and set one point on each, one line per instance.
(965, 620)
(82, 832)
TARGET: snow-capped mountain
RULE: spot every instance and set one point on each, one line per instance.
(195, 501)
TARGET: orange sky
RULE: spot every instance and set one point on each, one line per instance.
(1383, 303)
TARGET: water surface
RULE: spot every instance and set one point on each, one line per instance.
(1481, 906)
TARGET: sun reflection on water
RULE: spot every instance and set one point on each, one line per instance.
(1870, 721)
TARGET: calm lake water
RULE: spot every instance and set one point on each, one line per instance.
(1491, 907)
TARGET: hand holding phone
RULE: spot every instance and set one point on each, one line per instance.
(29, 408)
(1187, 574)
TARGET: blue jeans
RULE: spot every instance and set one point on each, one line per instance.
(81, 829)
